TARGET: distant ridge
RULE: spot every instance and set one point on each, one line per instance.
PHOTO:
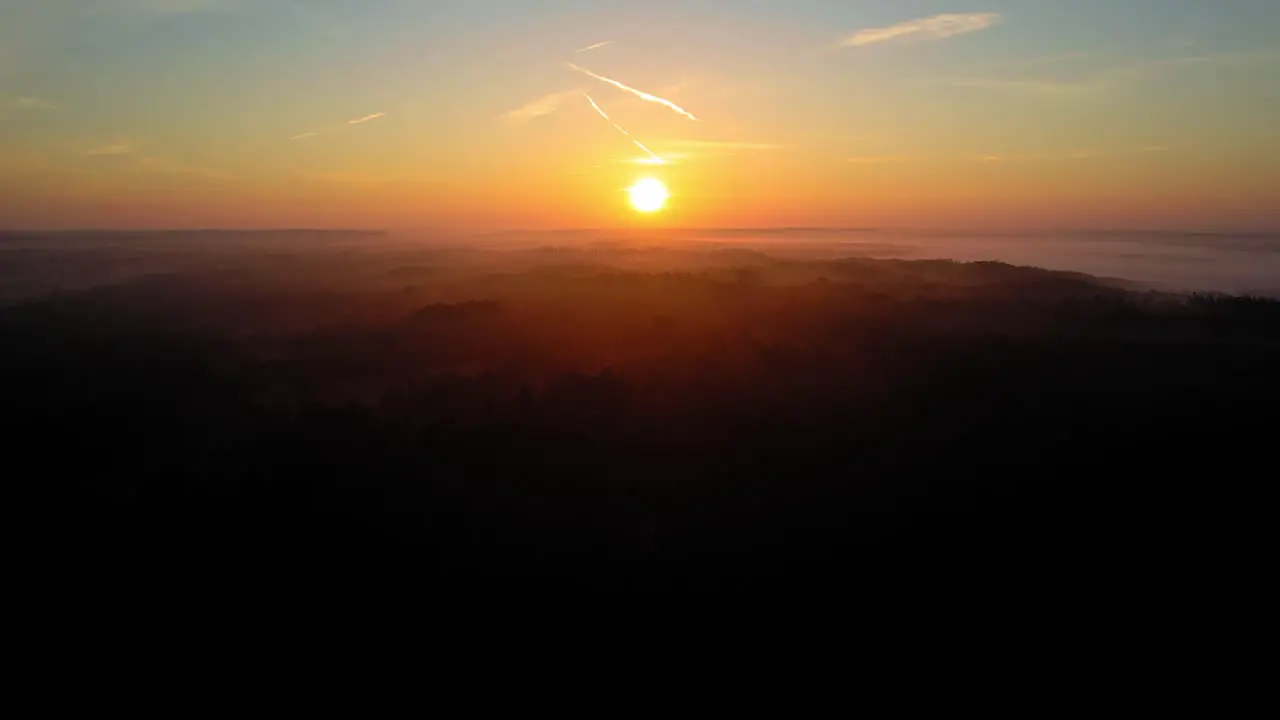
(198, 231)
(906, 230)
(682, 230)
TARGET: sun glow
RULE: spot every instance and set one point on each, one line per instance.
(648, 195)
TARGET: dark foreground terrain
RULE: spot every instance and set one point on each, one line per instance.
(624, 417)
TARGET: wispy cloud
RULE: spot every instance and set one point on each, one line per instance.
(544, 105)
(1117, 76)
(339, 128)
(638, 93)
(366, 118)
(874, 159)
(1140, 150)
(166, 166)
(652, 159)
(597, 46)
(125, 156)
(1046, 87)
(603, 114)
(178, 7)
(31, 103)
(1243, 58)
(725, 145)
(666, 158)
(340, 177)
(1077, 154)
(116, 149)
(936, 27)
(1050, 60)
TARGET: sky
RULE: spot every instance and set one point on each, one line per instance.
(479, 114)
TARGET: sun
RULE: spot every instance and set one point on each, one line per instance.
(648, 195)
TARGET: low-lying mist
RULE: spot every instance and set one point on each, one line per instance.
(609, 411)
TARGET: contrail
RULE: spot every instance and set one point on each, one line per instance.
(597, 107)
(619, 128)
(597, 46)
(656, 160)
(638, 93)
(366, 118)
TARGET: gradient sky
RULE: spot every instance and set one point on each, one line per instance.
(465, 114)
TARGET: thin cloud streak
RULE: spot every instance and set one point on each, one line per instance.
(875, 159)
(31, 103)
(1076, 155)
(638, 93)
(1118, 76)
(603, 114)
(1042, 87)
(125, 157)
(726, 145)
(654, 159)
(936, 27)
(165, 166)
(179, 7)
(597, 46)
(664, 159)
(544, 105)
(118, 149)
(338, 128)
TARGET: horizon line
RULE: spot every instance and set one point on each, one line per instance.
(634, 230)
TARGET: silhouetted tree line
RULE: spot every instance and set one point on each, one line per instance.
(579, 424)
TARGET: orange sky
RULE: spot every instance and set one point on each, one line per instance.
(282, 113)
